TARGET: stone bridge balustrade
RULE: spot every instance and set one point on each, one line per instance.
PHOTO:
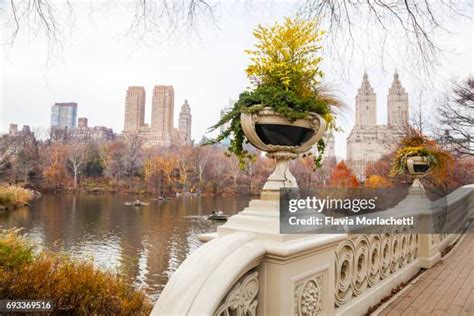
(249, 268)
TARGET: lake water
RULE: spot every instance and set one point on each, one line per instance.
(146, 244)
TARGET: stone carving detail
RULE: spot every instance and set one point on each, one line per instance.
(363, 261)
(241, 299)
(309, 296)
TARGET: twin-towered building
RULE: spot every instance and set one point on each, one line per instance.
(161, 131)
(369, 141)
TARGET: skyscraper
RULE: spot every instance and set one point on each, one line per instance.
(134, 109)
(63, 115)
(162, 109)
(184, 124)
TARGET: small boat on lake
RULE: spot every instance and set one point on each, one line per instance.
(217, 216)
(136, 203)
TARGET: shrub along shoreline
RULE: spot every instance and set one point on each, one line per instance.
(12, 197)
(75, 287)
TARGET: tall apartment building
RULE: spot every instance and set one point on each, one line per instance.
(64, 115)
(161, 131)
(369, 141)
(162, 114)
(184, 124)
(134, 109)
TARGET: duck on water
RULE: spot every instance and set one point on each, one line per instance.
(217, 216)
(136, 203)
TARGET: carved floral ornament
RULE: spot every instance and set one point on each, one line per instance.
(309, 296)
(365, 260)
(241, 299)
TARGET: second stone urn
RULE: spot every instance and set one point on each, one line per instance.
(417, 166)
(283, 140)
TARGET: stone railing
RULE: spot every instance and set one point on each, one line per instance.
(248, 268)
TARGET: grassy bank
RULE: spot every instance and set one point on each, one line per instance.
(12, 197)
(76, 287)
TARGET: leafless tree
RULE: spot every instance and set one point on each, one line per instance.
(77, 156)
(202, 157)
(412, 24)
(418, 117)
(409, 25)
(456, 118)
(234, 171)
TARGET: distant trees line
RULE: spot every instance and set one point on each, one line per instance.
(125, 165)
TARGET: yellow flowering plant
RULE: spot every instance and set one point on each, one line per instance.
(286, 76)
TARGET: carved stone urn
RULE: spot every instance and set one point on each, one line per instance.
(417, 166)
(283, 140)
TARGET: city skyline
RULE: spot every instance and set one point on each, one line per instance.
(161, 130)
(207, 70)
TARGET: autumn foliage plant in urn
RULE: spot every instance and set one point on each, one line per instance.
(287, 109)
(416, 156)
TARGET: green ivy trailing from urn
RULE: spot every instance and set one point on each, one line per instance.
(286, 77)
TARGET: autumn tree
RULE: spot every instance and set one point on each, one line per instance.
(342, 177)
(27, 155)
(132, 158)
(376, 182)
(153, 171)
(112, 156)
(94, 165)
(218, 171)
(184, 167)
(55, 172)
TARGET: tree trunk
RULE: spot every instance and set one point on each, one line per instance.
(25, 176)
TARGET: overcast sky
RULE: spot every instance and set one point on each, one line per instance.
(97, 61)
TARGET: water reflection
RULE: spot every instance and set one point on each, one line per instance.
(146, 244)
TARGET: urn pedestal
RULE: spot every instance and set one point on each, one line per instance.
(417, 166)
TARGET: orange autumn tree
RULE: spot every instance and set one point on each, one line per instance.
(376, 181)
(55, 172)
(342, 177)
